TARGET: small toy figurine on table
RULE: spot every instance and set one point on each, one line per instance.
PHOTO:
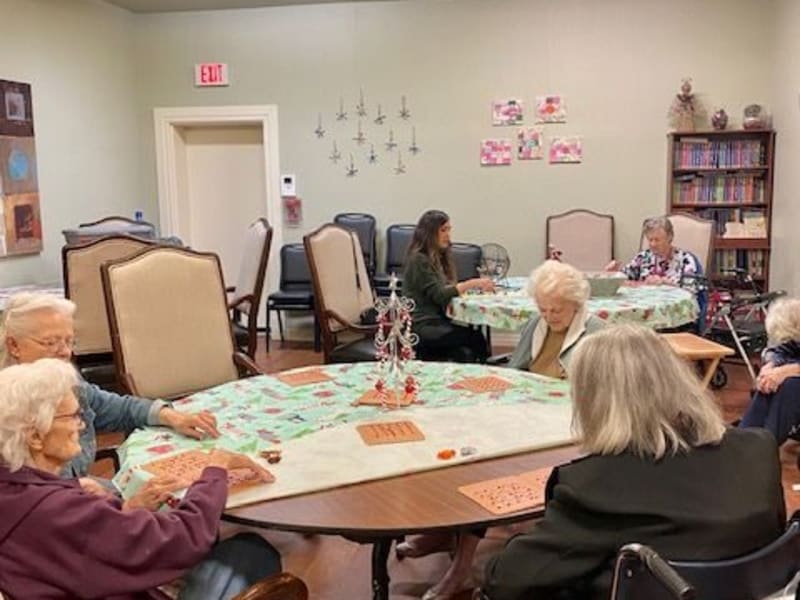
(394, 346)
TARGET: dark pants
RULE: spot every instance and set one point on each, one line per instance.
(444, 340)
(232, 566)
(778, 412)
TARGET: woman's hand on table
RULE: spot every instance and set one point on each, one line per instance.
(198, 425)
(154, 493)
(614, 265)
(231, 460)
(92, 486)
(656, 280)
(483, 284)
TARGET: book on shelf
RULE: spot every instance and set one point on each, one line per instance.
(691, 153)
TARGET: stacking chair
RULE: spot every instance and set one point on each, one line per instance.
(693, 234)
(342, 293)
(169, 323)
(115, 222)
(467, 259)
(295, 293)
(584, 238)
(364, 226)
(640, 574)
(398, 239)
(83, 285)
(246, 296)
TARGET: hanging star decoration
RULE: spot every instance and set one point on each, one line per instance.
(404, 112)
(335, 154)
(372, 157)
(341, 114)
(351, 168)
(390, 143)
(361, 108)
(401, 167)
(413, 148)
(360, 138)
(381, 117)
(319, 131)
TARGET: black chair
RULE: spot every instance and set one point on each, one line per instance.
(640, 574)
(467, 259)
(295, 293)
(398, 239)
(364, 227)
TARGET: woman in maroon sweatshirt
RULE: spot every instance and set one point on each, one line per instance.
(59, 541)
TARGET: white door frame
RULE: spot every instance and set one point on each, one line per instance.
(167, 123)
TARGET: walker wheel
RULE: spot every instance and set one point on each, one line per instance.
(719, 379)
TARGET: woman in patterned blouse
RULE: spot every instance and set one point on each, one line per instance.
(660, 262)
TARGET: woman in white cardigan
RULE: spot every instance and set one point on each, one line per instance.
(546, 343)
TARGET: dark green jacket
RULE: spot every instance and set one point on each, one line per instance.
(714, 502)
(428, 288)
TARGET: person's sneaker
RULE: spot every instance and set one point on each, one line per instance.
(423, 545)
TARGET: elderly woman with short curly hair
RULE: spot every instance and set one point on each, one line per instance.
(57, 541)
(776, 400)
(546, 343)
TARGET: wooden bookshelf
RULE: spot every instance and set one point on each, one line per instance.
(727, 177)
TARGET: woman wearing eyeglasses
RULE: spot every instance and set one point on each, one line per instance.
(58, 542)
(39, 326)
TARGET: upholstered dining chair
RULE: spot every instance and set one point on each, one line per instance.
(83, 285)
(691, 233)
(116, 221)
(342, 293)
(245, 296)
(169, 323)
(584, 238)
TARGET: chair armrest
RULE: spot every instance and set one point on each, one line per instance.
(230, 288)
(239, 300)
(365, 329)
(282, 586)
(245, 365)
(110, 452)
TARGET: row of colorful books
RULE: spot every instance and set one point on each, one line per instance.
(754, 261)
(734, 154)
(691, 189)
(736, 222)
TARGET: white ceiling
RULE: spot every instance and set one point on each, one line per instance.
(145, 6)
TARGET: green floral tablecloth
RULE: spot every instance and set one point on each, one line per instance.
(657, 306)
(261, 412)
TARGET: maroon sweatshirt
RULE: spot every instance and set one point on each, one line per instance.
(57, 541)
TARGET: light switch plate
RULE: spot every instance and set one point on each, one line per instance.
(288, 187)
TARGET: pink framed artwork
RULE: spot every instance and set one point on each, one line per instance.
(566, 150)
(495, 153)
(530, 144)
(507, 112)
(550, 109)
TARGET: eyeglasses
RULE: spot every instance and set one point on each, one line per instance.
(76, 416)
(53, 344)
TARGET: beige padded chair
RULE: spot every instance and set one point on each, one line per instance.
(584, 238)
(169, 323)
(342, 292)
(116, 221)
(245, 298)
(691, 233)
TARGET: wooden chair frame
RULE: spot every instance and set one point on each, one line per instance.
(115, 218)
(609, 217)
(244, 364)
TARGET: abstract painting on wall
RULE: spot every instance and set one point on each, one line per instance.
(550, 109)
(530, 144)
(507, 112)
(495, 152)
(566, 150)
(20, 217)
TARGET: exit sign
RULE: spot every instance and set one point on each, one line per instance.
(211, 74)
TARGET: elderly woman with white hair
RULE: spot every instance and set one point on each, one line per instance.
(546, 343)
(660, 262)
(57, 541)
(775, 404)
(39, 326)
(661, 469)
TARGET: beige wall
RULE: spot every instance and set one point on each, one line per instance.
(78, 57)
(617, 62)
(786, 119)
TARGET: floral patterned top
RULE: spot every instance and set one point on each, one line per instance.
(648, 263)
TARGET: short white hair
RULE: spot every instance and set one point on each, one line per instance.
(655, 223)
(783, 321)
(632, 393)
(554, 278)
(29, 397)
(21, 315)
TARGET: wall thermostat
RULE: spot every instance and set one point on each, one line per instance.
(288, 187)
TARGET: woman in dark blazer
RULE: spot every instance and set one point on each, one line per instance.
(429, 279)
(662, 469)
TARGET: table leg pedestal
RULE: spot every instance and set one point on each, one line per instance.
(380, 571)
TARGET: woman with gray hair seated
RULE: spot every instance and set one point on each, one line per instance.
(39, 326)
(661, 469)
(546, 343)
(57, 541)
(775, 404)
(660, 262)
